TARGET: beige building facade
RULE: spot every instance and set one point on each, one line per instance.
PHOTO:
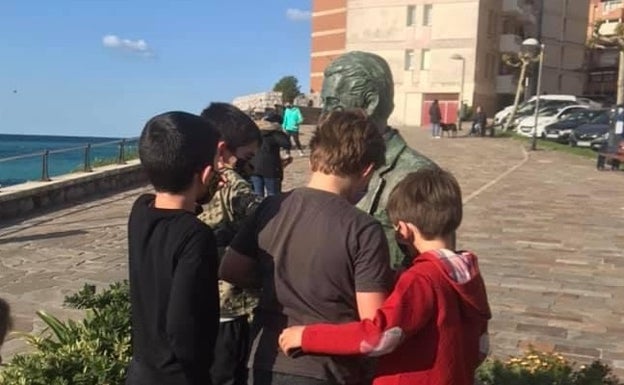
(428, 42)
(564, 32)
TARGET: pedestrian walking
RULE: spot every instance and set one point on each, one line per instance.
(435, 117)
(291, 121)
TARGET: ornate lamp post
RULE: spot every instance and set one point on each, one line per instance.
(536, 50)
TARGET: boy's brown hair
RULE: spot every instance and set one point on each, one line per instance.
(345, 143)
(5, 320)
(430, 199)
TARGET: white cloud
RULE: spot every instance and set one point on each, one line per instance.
(296, 14)
(135, 46)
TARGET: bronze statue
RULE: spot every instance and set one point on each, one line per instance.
(364, 80)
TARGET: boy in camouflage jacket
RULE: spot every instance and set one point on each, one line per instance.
(233, 202)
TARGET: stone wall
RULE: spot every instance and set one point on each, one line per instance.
(34, 197)
(259, 101)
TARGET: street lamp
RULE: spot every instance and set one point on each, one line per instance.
(536, 50)
(457, 56)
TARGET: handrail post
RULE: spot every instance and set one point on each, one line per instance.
(87, 158)
(45, 176)
(122, 155)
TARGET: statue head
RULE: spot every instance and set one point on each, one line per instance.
(360, 80)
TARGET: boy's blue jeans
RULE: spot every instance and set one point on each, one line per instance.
(273, 186)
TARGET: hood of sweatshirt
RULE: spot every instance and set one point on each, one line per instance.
(461, 270)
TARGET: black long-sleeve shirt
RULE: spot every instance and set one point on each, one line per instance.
(267, 162)
(174, 296)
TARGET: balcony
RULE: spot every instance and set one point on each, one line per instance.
(506, 84)
(522, 10)
(513, 7)
(510, 43)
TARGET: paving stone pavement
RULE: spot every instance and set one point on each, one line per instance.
(546, 225)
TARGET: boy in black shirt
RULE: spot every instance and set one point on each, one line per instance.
(173, 255)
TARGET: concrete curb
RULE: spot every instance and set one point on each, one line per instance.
(32, 197)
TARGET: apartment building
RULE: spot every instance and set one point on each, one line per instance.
(563, 32)
(428, 42)
(603, 63)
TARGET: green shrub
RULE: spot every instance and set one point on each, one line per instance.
(93, 351)
(538, 368)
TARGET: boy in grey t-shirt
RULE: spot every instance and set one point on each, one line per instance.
(315, 256)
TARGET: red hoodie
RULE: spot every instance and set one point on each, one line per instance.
(431, 330)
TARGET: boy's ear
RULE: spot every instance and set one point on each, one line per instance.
(221, 148)
(206, 174)
(224, 155)
(407, 231)
(368, 171)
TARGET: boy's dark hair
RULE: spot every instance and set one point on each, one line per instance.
(430, 199)
(345, 143)
(175, 146)
(237, 129)
(5, 320)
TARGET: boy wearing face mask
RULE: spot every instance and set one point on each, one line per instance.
(233, 202)
(315, 256)
(173, 255)
(433, 327)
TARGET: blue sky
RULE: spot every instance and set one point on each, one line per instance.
(102, 68)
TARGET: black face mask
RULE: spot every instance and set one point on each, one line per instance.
(244, 168)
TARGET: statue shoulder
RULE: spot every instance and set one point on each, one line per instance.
(404, 157)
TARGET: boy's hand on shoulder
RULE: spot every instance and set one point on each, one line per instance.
(290, 339)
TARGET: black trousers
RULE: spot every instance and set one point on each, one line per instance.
(231, 353)
(295, 137)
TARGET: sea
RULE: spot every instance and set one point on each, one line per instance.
(31, 147)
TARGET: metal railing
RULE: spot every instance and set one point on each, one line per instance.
(121, 156)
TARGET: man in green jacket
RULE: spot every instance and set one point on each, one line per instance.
(292, 120)
(364, 80)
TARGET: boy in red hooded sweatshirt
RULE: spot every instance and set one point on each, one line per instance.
(433, 327)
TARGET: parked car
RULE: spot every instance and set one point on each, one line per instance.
(548, 115)
(585, 134)
(560, 131)
(528, 107)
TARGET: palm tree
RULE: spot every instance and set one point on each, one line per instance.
(520, 60)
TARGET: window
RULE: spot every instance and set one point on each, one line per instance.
(427, 13)
(409, 59)
(411, 15)
(425, 60)
(610, 5)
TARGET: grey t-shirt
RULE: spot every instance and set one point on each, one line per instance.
(315, 251)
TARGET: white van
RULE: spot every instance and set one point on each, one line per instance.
(529, 105)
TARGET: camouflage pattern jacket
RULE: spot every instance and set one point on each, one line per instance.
(400, 161)
(225, 213)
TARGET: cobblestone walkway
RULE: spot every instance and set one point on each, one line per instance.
(547, 226)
